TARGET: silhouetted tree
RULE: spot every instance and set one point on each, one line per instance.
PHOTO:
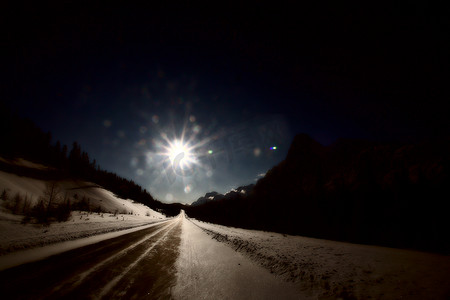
(51, 194)
(4, 195)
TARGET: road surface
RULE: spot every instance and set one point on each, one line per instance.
(137, 265)
(171, 259)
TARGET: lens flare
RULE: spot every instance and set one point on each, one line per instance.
(180, 156)
(180, 153)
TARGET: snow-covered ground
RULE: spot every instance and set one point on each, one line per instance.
(73, 189)
(17, 258)
(207, 269)
(121, 213)
(25, 163)
(218, 262)
(327, 269)
(15, 236)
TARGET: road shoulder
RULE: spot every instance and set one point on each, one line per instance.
(207, 269)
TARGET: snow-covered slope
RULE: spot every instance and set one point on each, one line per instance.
(117, 213)
(98, 197)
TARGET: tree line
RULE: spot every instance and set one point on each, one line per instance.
(384, 193)
(23, 138)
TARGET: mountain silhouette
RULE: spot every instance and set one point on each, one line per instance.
(386, 193)
(214, 196)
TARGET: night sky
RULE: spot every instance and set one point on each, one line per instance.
(230, 83)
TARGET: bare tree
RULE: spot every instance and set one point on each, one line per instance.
(51, 194)
(17, 202)
(4, 195)
(26, 204)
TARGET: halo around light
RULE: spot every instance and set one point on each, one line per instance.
(181, 151)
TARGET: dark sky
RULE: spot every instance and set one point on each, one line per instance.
(126, 81)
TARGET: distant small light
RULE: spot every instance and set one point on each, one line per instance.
(273, 148)
(210, 152)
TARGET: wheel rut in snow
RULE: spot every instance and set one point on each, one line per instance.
(135, 265)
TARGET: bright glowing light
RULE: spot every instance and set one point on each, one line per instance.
(210, 152)
(175, 149)
(273, 148)
(180, 154)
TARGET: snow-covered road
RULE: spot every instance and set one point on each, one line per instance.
(211, 270)
(137, 265)
(170, 259)
(182, 258)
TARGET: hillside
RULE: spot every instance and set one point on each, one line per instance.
(97, 197)
(384, 193)
(93, 210)
(51, 160)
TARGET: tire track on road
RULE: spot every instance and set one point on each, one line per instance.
(81, 277)
(106, 289)
(91, 271)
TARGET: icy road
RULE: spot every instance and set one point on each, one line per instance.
(171, 259)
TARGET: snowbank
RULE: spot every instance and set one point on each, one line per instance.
(15, 236)
(34, 254)
(331, 269)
